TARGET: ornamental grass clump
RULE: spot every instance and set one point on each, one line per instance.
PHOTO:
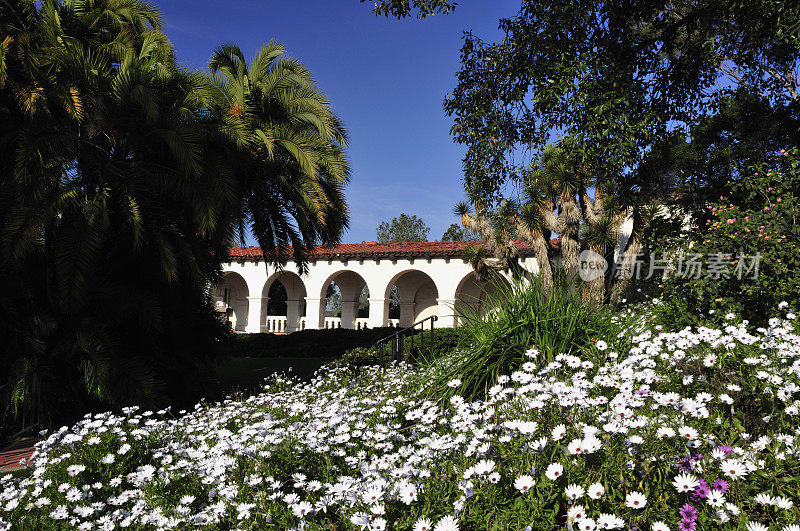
(523, 315)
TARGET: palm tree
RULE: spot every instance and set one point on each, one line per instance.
(106, 159)
(123, 179)
(292, 168)
(96, 156)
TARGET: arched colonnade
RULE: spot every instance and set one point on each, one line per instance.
(371, 281)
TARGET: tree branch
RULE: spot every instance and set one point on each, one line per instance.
(552, 222)
(590, 210)
(788, 80)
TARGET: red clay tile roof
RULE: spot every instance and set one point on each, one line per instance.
(382, 250)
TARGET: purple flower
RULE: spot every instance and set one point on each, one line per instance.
(684, 463)
(726, 448)
(701, 492)
(687, 512)
(688, 517)
(721, 485)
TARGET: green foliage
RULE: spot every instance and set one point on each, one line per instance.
(613, 78)
(622, 88)
(523, 316)
(333, 305)
(277, 299)
(404, 8)
(697, 165)
(457, 233)
(444, 342)
(361, 357)
(758, 217)
(419, 348)
(137, 338)
(331, 342)
(123, 180)
(290, 166)
(403, 228)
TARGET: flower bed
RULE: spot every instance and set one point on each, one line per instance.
(690, 430)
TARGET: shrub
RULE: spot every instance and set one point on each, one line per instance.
(524, 316)
(416, 348)
(360, 357)
(332, 342)
(758, 217)
(445, 340)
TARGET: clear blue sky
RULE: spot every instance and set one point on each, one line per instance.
(385, 78)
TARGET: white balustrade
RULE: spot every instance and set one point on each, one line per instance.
(333, 322)
(277, 324)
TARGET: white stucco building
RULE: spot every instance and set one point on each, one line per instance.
(431, 278)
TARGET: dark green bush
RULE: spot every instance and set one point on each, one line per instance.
(757, 217)
(361, 357)
(416, 348)
(445, 340)
(305, 343)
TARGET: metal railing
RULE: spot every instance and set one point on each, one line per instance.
(396, 342)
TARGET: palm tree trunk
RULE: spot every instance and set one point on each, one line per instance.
(570, 243)
(541, 248)
(595, 289)
(623, 277)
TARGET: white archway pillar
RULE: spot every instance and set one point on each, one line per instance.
(315, 312)
(447, 316)
(253, 315)
(407, 313)
(349, 312)
(293, 311)
(378, 312)
(262, 318)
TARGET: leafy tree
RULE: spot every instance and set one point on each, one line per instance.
(610, 81)
(394, 303)
(617, 83)
(277, 303)
(404, 8)
(457, 233)
(333, 307)
(722, 148)
(363, 303)
(404, 228)
(271, 107)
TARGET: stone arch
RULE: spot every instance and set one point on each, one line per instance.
(292, 307)
(418, 294)
(350, 285)
(231, 300)
(476, 295)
